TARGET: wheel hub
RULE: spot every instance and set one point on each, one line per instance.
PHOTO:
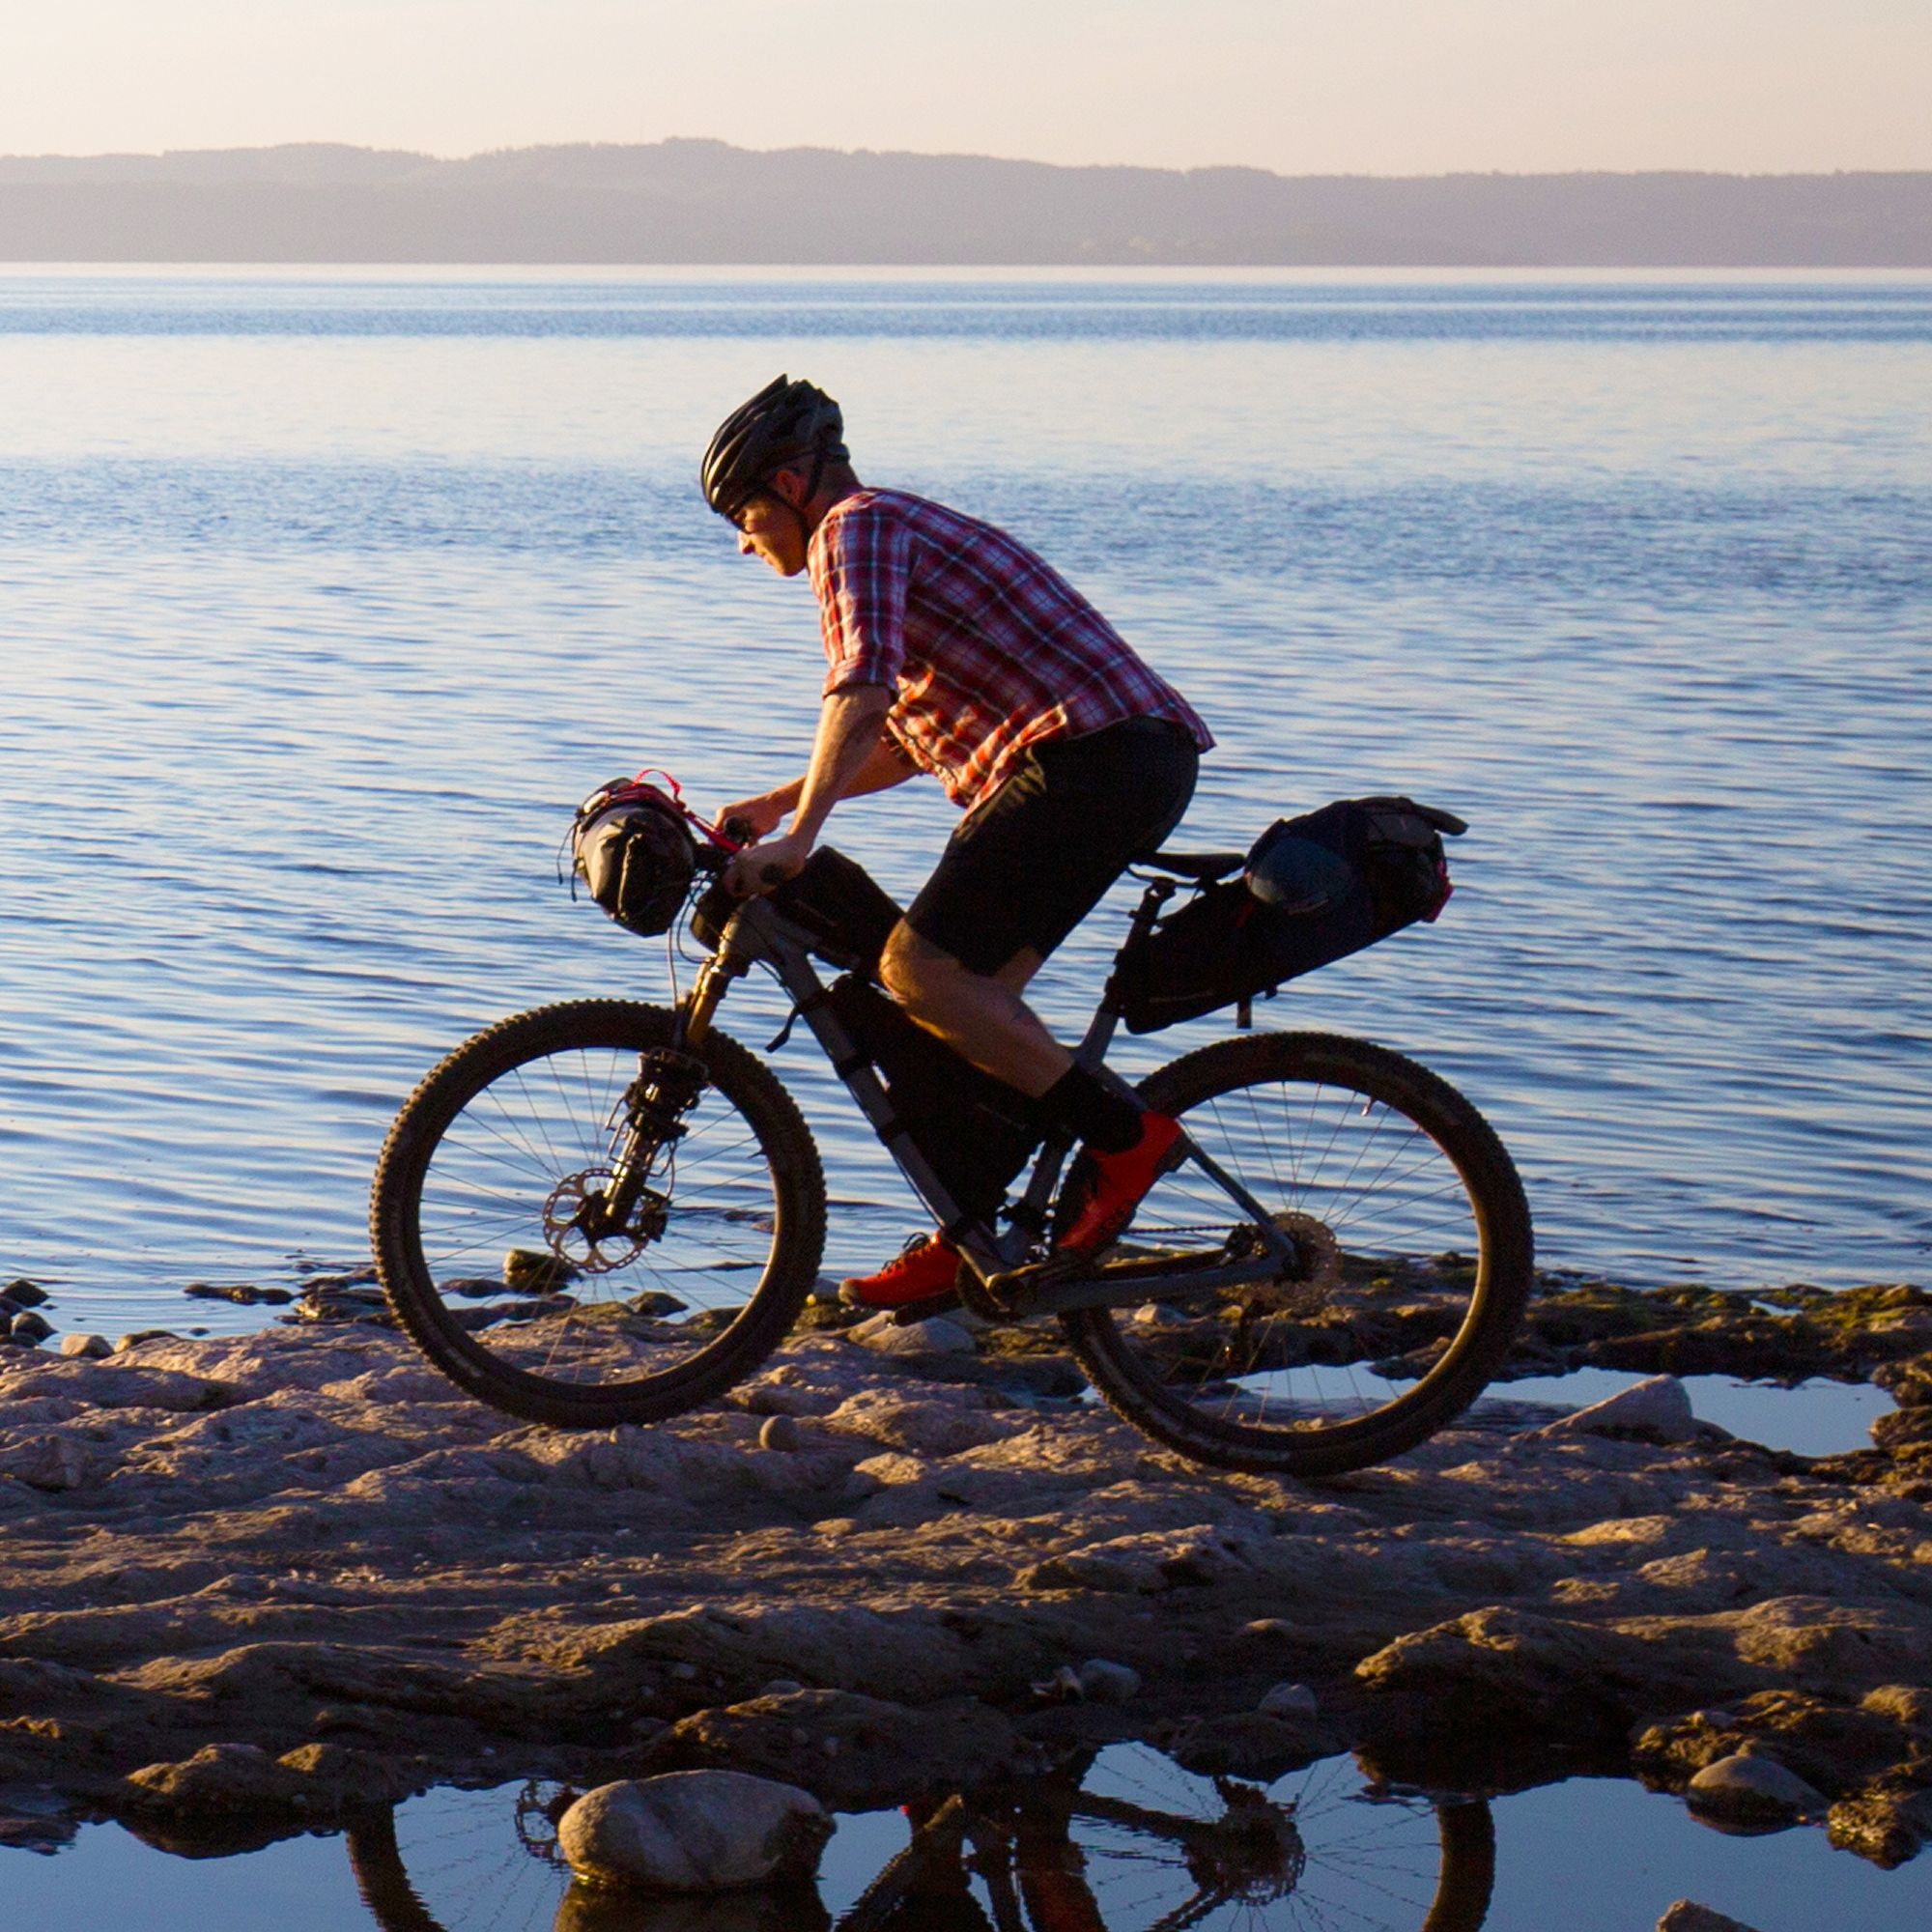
(576, 1224)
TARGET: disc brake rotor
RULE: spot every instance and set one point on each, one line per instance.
(575, 1206)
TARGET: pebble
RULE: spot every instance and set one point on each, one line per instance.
(936, 1336)
(91, 1347)
(779, 1432)
(1289, 1700)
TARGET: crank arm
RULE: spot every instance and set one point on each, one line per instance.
(1063, 1283)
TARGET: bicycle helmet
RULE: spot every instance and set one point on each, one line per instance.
(785, 422)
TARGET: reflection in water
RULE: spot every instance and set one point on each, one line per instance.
(1124, 1841)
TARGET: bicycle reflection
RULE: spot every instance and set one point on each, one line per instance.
(1125, 1841)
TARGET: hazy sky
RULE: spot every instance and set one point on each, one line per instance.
(1302, 86)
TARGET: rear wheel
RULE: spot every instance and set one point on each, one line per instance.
(484, 1216)
(1413, 1261)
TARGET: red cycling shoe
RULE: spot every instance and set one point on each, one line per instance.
(925, 1269)
(1119, 1183)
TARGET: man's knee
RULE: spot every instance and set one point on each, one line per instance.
(912, 969)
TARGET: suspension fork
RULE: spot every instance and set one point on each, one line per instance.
(666, 1088)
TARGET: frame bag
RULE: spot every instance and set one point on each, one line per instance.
(1316, 888)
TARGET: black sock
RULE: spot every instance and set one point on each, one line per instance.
(1100, 1118)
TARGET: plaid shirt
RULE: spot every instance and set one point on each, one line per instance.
(990, 650)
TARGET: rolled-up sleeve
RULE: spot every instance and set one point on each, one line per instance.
(859, 569)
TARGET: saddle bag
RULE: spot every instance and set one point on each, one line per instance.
(975, 1131)
(1316, 888)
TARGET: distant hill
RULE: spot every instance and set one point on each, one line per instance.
(704, 202)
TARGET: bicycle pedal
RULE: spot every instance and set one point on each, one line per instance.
(1010, 1289)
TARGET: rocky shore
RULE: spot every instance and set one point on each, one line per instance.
(252, 1584)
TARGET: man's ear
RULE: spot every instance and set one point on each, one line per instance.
(787, 486)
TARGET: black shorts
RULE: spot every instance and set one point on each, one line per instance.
(1027, 865)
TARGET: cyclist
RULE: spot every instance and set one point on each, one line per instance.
(953, 650)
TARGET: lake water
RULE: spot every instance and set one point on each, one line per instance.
(324, 595)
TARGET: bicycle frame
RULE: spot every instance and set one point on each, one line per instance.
(1012, 1282)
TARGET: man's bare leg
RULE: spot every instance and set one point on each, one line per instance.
(983, 1018)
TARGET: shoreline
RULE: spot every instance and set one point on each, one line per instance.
(256, 1583)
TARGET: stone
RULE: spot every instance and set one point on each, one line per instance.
(1747, 1789)
(1658, 1407)
(1909, 1383)
(1103, 1682)
(529, 1271)
(693, 1832)
(25, 1293)
(30, 1328)
(779, 1431)
(217, 1777)
(934, 1336)
(90, 1348)
(1686, 1917)
(1289, 1700)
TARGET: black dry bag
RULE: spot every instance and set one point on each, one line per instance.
(1316, 888)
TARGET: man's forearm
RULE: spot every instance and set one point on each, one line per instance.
(850, 724)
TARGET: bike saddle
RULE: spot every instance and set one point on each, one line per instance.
(1203, 868)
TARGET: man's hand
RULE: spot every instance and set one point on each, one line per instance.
(759, 868)
(763, 812)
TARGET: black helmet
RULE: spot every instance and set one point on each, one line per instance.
(785, 422)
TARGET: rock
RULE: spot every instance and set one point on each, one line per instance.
(882, 1753)
(1888, 1821)
(770, 1908)
(49, 1463)
(1901, 1429)
(140, 1335)
(935, 1336)
(1686, 1917)
(528, 1271)
(1103, 1682)
(90, 1348)
(1909, 1383)
(1753, 1790)
(693, 1832)
(779, 1432)
(30, 1328)
(1657, 1407)
(25, 1293)
(1289, 1700)
(217, 1777)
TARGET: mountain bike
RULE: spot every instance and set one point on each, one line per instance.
(1331, 1273)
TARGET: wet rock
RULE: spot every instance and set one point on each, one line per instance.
(138, 1336)
(25, 1293)
(218, 1777)
(1909, 1383)
(1903, 1427)
(1753, 1790)
(1891, 1820)
(90, 1348)
(1289, 1700)
(30, 1328)
(531, 1273)
(35, 1819)
(1658, 1409)
(1248, 1745)
(1688, 1916)
(243, 1293)
(693, 1832)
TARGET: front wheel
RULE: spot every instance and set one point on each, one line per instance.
(1413, 1261)
(485, 1216)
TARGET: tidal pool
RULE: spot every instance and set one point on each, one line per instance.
(1140, 1845)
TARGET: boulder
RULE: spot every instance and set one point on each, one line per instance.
(90, 1348)
(1747, 1789)
(693, 1832)
(1657, 1407)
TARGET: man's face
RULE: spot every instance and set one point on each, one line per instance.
(770, 529)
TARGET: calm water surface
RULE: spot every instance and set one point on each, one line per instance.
(324, 596)
(1589, 1855)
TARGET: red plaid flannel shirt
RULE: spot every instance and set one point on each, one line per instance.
(989, 649)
